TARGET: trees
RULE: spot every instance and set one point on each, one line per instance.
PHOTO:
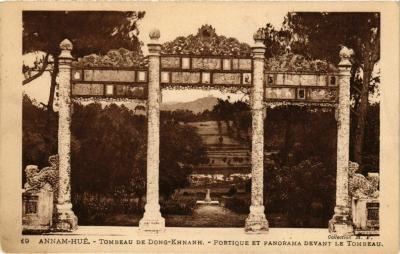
(38, 143)
(108, 148)
(320, 36)
(238, 113)
(180, 148)
(89, 32)
(288, 191)
(108, 144)
(306, 140)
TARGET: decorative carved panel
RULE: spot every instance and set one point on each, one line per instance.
(280, 93)
(127, 91)
(206, 63)
(322, 94)
(170, 62)
(185, 77)
(109, 75)
(87, 89)
(226, 78)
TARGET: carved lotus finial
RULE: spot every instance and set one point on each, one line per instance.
(154, 34)
(345, 55)
(66, 45)
(259, 36)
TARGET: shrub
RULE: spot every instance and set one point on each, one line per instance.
(178, 207)
(304, 191)
(238, 205)
(232, 190)
(247, 186)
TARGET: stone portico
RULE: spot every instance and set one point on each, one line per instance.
(253, 78)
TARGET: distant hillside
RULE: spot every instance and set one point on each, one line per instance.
(196, 106)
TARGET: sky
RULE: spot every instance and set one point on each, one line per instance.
(240, 23)
(175, 20)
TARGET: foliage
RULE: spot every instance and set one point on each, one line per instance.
(275, 41)
(110, 141)
(95, 209)
(232, 190)
(38, 141)
(179, 115)
(289, 61)
(99, 31)
(299, 133)
(238, 113)
(109, 149)
(238, 205)
(320, 35)
(371, 139)
(178, 207)
(288, 190)
(307, 154)
(180, 148)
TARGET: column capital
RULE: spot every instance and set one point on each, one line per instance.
(66, 48)
(258, 52)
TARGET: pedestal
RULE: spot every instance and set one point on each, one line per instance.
(341, 222)
(152, 222)
(256, 221)
(65, 218)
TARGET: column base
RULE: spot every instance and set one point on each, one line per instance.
(341, 222)
(256, 221)
(65, 219)
(152, 221)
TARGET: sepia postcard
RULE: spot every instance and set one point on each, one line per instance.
(199, 127)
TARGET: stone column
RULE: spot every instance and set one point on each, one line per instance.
(152, 222)
(65, 219)
(256, 221)
(341, 223)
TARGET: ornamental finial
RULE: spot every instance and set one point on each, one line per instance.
(66, 45)
(154, 34)
(345, 55)
(259, 36)
(206, 31)
(66, 48)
